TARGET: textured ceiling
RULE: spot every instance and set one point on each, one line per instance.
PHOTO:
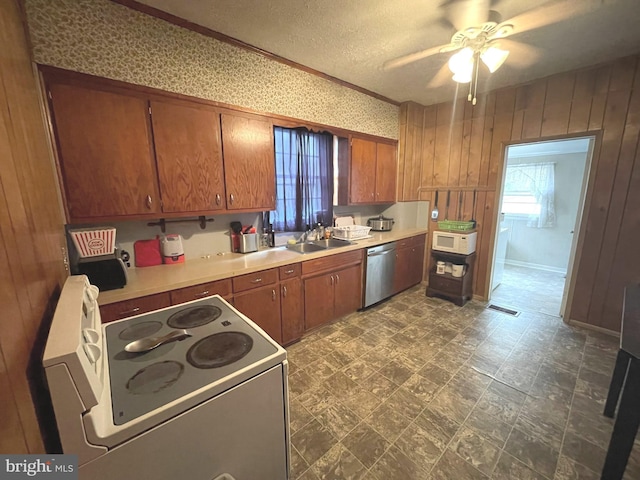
(351, 40)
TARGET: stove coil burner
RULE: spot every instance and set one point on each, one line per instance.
(140, 330)
(219, 349)
(155, 377)
(194, 316)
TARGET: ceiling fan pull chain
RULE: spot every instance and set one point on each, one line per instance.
(475, 88)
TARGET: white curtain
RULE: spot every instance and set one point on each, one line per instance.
(538, 180)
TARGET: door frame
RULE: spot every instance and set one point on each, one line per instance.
(575, 251)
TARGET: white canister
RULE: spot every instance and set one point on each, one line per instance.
(440, 268)
(457, 270)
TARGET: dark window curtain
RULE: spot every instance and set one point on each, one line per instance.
(304, 179)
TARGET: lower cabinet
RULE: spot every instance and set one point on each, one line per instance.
(292, 310)
(196, 292)
(135, 306)
(409, 263)
(332, 287)
(262, 305)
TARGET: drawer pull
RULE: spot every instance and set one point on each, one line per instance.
(289, 272)
(257, 280)
(202, 294)
(130, 312)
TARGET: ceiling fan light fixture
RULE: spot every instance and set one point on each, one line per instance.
(462, 61)
(463, 77)
(493, 58)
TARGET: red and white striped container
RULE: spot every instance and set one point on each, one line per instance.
(93, 242)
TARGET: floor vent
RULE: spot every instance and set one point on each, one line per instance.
(508, 311)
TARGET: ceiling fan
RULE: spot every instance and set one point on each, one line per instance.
(481, 38)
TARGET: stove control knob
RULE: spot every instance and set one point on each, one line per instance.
(93, 352)
(90, 335)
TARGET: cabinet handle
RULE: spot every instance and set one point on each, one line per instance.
(331, 279)
(257, 280)
(130, 312)
(218, 199)
(289, 272)
(273, 295)
(149, 202)
(337, 278)
(284, 290)
(202, 294)
(231, 198)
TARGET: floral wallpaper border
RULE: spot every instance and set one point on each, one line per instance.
(106, 39)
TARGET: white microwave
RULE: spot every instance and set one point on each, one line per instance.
(454, 242)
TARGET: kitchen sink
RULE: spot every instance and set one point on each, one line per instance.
(305, 247)
(317, 245)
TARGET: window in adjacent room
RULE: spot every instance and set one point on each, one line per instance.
(529, 190)
(304, 179)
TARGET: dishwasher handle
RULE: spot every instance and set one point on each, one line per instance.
(378, 254)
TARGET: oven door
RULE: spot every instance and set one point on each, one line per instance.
(242, 433)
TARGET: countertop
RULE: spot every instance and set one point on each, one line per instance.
(163, 278)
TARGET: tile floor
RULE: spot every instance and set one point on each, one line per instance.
(530, 289)
(393, 393)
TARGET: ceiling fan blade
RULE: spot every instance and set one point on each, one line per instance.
(412, 57)
(547, 14)
(440, 78)
(466, 13)
(521, 55)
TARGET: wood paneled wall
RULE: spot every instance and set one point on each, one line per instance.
(460, 148)
(31, 233)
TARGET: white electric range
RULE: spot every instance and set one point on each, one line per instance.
(211, 405)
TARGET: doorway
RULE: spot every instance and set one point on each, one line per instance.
(543, 190)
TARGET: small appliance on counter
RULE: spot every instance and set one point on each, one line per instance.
(380, 223)
(244, 238)
(98, 260)
(172, 249)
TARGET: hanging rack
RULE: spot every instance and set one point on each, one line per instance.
(162, 223)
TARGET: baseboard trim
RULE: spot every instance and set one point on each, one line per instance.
(536, 266)
(595, 328)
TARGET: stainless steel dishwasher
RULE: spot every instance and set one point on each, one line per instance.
(381, 264)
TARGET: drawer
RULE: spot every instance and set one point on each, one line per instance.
(445, 283)
(254, 280)
(331, 262)
(290, 271)
(135, 306)
(220, 287)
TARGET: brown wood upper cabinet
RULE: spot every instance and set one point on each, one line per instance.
(368, 172)
(250, 171)
(189, 157)
(105, 153)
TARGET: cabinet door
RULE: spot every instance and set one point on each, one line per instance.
(318, 300)
(362, 177)
(386, 172)
(189, 157)
(416, 268)
(249, 163)
(105, 153)
(402, 274)
(262, 305)
(348, 290)
(292, 308)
